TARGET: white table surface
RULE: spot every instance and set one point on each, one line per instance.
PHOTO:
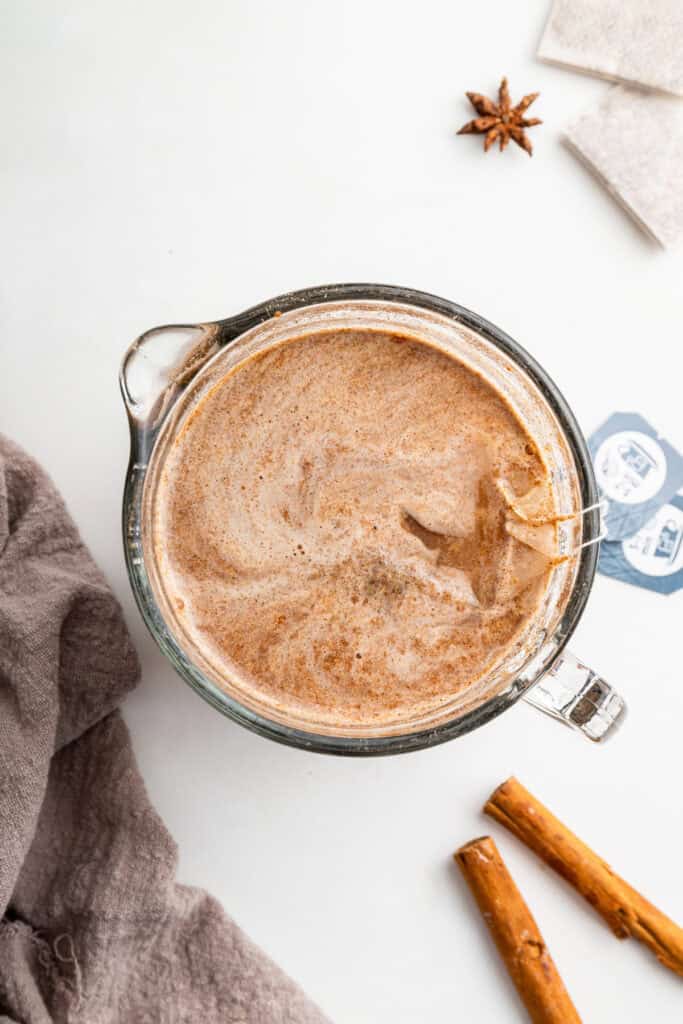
(167, 161)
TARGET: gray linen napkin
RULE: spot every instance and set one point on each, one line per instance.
(93, 927)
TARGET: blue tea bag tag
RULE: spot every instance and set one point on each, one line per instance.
(637, 472)
(653, 557)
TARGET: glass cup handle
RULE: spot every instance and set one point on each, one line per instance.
(571, 692)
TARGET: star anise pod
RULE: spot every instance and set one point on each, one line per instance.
(501, 120)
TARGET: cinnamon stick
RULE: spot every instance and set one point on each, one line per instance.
(623, 908)
(516, 934)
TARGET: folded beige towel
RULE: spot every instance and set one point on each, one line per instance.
(634, 41)
(93, 927)
(633, 142)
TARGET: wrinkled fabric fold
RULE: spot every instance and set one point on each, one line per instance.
(94, 927)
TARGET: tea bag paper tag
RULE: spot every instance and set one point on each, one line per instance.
(653, 557)
(637, 472)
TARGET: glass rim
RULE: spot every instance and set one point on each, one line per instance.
(232, 328)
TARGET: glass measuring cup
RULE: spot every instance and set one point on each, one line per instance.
(166, 372)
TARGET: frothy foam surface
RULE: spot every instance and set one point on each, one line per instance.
(333, 527)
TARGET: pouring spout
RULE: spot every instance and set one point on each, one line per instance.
(155, 370)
